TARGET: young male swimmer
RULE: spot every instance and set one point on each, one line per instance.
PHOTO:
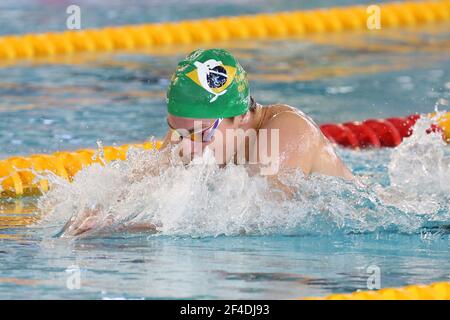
(210, 107)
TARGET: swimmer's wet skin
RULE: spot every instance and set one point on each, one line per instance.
(209, 85)
(210, 107)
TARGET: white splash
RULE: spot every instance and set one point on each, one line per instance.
(203, 200)
(419, 173)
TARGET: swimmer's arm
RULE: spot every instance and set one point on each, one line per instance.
(277, 187)
(326, 161)
(92, 219)
(279, 190)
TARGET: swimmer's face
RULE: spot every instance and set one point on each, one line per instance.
(186, 126)
(189, 129)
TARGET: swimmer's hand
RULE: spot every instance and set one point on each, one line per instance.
(92, 222)
(81, 223)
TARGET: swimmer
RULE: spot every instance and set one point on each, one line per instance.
(209, 97)
(209, 107)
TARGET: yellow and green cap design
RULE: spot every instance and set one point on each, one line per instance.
(208, 84)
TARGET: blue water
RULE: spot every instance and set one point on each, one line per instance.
(271, 267)
(119, 98)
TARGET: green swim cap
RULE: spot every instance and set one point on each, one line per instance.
(208, 84)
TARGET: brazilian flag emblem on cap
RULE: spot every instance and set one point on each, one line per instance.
(213, 76)
(208, 84)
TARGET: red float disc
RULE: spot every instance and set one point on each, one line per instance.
(340, 135)
(402, 125)
(365, 135)
(385, 131)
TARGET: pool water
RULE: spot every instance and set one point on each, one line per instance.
(222, 235)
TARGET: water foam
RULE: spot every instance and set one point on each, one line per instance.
(203, 200)
(419, 172)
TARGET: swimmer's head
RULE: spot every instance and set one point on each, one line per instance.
(208, 84)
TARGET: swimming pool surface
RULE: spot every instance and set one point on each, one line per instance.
(325, 240)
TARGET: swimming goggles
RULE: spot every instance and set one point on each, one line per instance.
(204, 135)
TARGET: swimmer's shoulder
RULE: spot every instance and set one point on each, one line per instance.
(287, 117)
(278, 108)
(298, 138)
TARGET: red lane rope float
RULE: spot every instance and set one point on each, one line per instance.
(340, 135)
(403, 125)
(386, 132)
(365, 135)
(372, 133)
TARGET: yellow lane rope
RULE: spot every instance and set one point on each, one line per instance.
(206, 31)
(22, 176)
(435, 291)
